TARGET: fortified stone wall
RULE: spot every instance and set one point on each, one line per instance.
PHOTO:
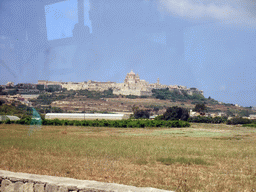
(23, 182)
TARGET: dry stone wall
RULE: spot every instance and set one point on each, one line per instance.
(23, 182)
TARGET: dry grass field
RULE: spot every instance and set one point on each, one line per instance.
(202, 157)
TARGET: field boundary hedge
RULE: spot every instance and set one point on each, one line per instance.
(103, 123)
(218, 120)
(134, 123)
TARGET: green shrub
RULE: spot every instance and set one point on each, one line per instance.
(8, 121)
(77, 123)
(84, 123)
(159, 117)
(201, 119)
(71, 122)
(253, 121)
(50, 122)
(249, 125)
(131, 124)
(238, 120)
(142, 124)
(158, 123)
(65, 122)
(24, 121)
(57, 122)
(45, 122)
(123, 124)
(174, 124)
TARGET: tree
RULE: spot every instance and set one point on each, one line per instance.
(134, 108)
(200, 107)
(144, 114)
(244, 113)
(1, 102)
(230, 113)
(139, 113)
(156, 109)
(176, 113)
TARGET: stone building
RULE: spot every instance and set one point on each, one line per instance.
(193, 90)
(133, 85)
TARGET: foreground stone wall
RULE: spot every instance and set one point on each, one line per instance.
(23, 182)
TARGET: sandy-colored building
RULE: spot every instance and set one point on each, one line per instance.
(133, 85)
(252, 116)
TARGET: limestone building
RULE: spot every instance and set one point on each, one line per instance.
(133, 85)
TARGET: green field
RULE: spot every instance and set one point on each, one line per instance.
(203, 157)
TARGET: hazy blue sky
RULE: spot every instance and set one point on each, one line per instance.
(208, 44)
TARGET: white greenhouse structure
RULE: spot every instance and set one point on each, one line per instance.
(12, 118)
(85, 116)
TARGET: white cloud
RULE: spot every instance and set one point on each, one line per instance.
(229, 12)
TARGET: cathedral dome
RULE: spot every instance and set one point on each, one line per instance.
(131, 73)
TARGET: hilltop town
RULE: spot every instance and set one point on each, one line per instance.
(111, 97)
(132, 85)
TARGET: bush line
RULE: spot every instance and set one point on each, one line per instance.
(218, 120)
(249, 125)
(139, 123)
(214, 120)
(103, 123)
